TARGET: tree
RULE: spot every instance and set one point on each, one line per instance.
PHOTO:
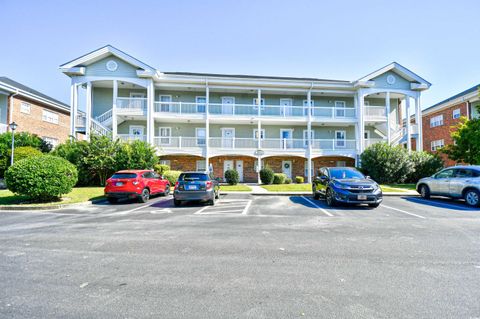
(466, 146)
(101, 157)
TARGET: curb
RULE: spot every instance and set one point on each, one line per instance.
(308, 193)
(50, 207)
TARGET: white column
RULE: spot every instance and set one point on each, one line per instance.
(361, 122)
(150, 109)
(387, 107)
(309, 136)
(114, 109)
(88, 106)
(418, 120)
(407, 114)
(259, 134)
(75, 108)
(207, 126)
(72, 110)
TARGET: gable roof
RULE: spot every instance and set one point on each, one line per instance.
(400, 70)
(103, 52)
(14, 86)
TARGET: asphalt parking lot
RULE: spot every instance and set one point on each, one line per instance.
(246, 257)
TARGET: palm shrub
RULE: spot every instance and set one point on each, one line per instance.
(424, 164)
(279, 178)
(172, 176)
(266, 176)
(231, 177)
(387, 164)
(42, 178)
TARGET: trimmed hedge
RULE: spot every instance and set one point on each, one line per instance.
(24, 152)
(279, 178)
(299, 179)
(266, 176)
(231, 177)
(424, 164)
(288, 180)
(42, 178)
(172, 176)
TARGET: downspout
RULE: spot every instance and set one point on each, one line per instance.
(10, 111)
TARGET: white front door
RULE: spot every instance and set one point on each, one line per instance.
(228, 103)
(227, 164)
(286, 140)
(228, 135)
(287, 168)
(286, 107)
(239, 169)
(201, 103)
(136, 132)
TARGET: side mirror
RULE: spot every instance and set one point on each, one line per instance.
(368, 177)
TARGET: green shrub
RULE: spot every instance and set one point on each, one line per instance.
(231, 177)
(75, 152)
(24, 152)
(387, 164)
(288, 180)
(299, 179)
(424, 164)
(161, 168)
(42, 178)
(279, 178)
(266, 176)
(135, 155)
(172, 176)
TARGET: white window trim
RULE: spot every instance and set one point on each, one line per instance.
(56, 122)
(286, 99)
(28, 105)
(456, 112)
(262, 103)
(228, 97)
(262, 132)
(197, 103)
(197, 167)
(341, 108)
(286, 129)
(305, 140)
(197, 137)
(137, 93)
(163, 95)
(131, 127)
(437, 120)
(165, 137)
(344, 140)
(305, 106)
(367, 133)
(435, 145)
(344, 163)
(164, 162)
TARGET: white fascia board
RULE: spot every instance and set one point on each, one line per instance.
(418, 86)
(470, 97)
(363, 84)
(74, 71)
(145, 74)
(399, 69)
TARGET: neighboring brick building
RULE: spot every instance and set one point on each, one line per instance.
(33, 111)
(440, 119)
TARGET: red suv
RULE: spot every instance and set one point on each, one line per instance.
(138, 184)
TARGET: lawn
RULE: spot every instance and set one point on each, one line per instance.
(397, 187)
(235, 188)
(77, 195)
(288, 188)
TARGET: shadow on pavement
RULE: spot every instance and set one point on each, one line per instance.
(321, 203)
(442, 202)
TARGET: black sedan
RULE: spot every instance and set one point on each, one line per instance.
(346, 185)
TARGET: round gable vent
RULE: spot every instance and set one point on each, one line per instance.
(391, 79)
(112, 66)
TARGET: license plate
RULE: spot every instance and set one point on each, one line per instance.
(191, 187)
(362, 197)
(118, 184)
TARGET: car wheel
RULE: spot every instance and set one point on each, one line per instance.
(112, 200)
(424, 191)
(329, 197)
(472, 197)
(167, 190)
(315, 194)
(145, 196)
(374, 205)
(177, 202)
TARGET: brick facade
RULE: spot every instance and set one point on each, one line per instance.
(442, 132)
(33, 122)
(189, 163)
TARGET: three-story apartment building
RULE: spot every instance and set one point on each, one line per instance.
(217, 121)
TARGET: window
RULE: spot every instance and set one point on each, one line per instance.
(255, 134)
(50, 117)
(51, 140)
(464, 173)
(456, 114)
(437, 144)
(340, 137)
(165, 135)
(201, 103)
(436, 121)
(262, 103)
(165, 162)
(341, 164)
(200, 165)
(305, 137)
(305, 106)
(448, 173)
(165, 106)
(306, 169)
(25, 108)
(201, 136)
(340, 108)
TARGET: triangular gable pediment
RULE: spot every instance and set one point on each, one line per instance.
(395, 68)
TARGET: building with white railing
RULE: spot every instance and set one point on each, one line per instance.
(200, 120)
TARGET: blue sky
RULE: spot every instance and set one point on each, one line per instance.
(335, 40)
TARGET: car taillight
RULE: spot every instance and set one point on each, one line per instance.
(209, 184)
(176, 185)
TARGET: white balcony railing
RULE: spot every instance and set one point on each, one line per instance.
(252, 110)
(131, 105)
(375, 112)
(131, 137)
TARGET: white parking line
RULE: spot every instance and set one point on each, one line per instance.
(442, 205)
(402, 211)
(245, 210)
(315, 204)
(222, 211)
(128, 211)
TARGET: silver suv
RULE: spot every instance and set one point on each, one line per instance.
(455, 182)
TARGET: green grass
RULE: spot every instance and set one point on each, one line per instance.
(77, 195)
(397, 187)
(235, 188)
(288, 188)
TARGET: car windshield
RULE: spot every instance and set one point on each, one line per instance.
(124, 175)
(193, 177)
(342, 173)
